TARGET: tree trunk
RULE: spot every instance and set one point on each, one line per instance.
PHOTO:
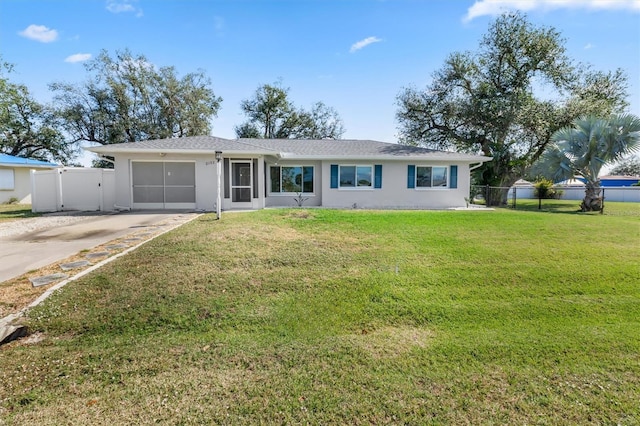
(592, 201)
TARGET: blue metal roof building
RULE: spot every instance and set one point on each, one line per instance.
(12, 161)
(15, 177)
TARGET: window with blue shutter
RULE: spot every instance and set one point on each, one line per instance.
(411, 176)
(334, 176)
(453, 178)
(377, 180)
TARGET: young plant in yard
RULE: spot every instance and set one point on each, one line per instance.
(299, 199)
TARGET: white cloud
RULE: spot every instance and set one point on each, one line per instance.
(496, 7)
(364, 43)
(218, 24)
(78, 57)
(39, 33)
(588, 46)
(114, 6)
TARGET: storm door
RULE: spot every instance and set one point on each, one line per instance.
(241, 183)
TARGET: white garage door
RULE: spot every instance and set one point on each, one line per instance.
(164, 184)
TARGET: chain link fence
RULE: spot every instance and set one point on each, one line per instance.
(499, 196)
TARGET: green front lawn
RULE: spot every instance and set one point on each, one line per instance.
(346, 317)
(16, 211)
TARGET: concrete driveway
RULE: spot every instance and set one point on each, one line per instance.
(33, 249)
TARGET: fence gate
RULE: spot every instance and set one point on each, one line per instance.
(71, 188)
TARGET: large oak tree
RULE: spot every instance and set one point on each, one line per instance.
(127, 99)
(28, 128)
(506, 99)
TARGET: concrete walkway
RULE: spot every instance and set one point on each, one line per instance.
(23, 252)
(142, 226)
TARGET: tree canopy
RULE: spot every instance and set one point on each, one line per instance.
(127, 99)
(27, 128)
(272, 115)
(486, 102)
(627, 167)
(585, 147)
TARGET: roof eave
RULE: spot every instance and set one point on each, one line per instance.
(31, 166)
(435, 157)
(105, 151)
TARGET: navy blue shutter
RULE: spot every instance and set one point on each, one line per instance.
(377, 176)
(226, 167)
(411, 176)
(334, 176)
(453, 182)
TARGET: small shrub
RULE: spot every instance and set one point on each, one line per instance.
(12, 200)
(544, 189)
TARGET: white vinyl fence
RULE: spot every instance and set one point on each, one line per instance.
(71, 188)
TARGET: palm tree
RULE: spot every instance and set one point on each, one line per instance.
(584, 148)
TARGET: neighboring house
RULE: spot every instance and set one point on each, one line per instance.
(617, 181)
(575, 181)
(15, 177)
(259, 173)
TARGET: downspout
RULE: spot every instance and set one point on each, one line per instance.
(108, 160)
(472, 168)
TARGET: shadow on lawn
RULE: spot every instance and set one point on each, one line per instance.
(573, 207)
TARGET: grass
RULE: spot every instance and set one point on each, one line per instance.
(332, 317)
(16, 211)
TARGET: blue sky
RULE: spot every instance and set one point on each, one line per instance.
(354, 55)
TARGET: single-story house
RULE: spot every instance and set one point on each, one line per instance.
(15, 177)
(259, 173)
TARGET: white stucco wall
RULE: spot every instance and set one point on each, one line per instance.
(22, 186)
(394, 193)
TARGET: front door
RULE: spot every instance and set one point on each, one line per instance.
(241, 184)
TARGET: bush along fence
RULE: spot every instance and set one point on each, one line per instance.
(509, 196)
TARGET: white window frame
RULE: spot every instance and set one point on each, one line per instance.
(428, 188)
(357, 187)
(284, 193)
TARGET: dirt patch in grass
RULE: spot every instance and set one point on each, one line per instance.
(389, 342)
(300, 214)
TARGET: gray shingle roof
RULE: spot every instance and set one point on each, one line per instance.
(343, 148)
(287, 148)
(191, 143)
